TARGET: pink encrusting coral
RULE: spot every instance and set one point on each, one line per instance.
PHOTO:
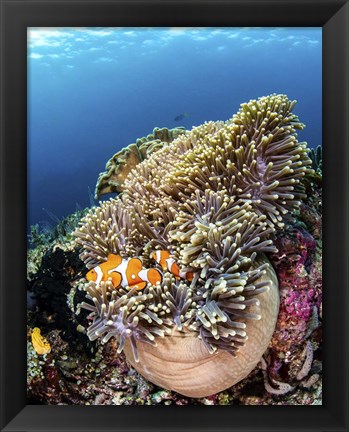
(300, 291)
(294, 355)
(300, 303)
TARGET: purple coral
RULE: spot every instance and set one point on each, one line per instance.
(300, 303)
(297, 336)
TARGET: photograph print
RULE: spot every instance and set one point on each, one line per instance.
(174, 216)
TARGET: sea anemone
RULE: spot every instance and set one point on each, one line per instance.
(213, 198)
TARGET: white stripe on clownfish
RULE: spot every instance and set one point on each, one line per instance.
(169, 263)
(158, 256)
(143, 274)
(121, 268)
(99, 272)
(173, 267)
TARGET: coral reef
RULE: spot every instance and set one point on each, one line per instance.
(121, 163)
(190, 224)
(86, 376)
(55, 293)
(60, 232)
(298, 263)
(88, 373)
(213, 198)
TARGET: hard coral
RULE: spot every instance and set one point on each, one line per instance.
(214, 199)
(294, 354)
(121, 163)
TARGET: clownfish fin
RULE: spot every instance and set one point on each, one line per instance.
(134, 266)
(139, 285)
(116, 279)
(154, 276)
(174, 269)
(135, 263)
(114, 260)
(189, 276)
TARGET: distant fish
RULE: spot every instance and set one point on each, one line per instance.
(181, 117)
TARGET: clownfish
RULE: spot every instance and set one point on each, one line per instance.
(167, 263)
(124, 272)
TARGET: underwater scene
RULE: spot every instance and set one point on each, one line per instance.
(174, 216)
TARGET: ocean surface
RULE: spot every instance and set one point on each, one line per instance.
(93, 91)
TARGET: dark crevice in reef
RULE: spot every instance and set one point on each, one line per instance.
(49, 288)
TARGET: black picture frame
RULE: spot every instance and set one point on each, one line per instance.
(16, 16)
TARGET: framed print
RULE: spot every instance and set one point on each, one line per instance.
(164, 197)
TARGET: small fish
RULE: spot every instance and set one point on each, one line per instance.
(40, 344)
(181, 117)
(124, 272)
(167, 263)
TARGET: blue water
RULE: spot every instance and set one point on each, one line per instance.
(93, 91)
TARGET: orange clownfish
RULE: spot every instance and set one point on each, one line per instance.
(167, 263)
(124, 272)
